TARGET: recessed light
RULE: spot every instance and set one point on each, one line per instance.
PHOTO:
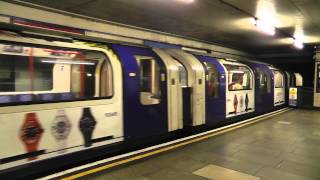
(265, 27)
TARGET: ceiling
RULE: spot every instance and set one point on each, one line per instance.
(227, 22)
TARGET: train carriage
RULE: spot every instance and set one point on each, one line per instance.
(56, 99)
(59, 99)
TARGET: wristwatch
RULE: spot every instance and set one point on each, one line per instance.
(87, 124)
(30, 133)
(60, 129)
(247, 102)
(235, 103)
(241, 102)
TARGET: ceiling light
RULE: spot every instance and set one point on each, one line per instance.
(186, 1)
(265, 27)
(68, 62)
(298, 44)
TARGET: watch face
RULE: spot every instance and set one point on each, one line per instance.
(61, 126)
(31, 129)
(87, 123)
(30, 132)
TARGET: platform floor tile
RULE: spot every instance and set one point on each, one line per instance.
(220, 173)
(267, 150)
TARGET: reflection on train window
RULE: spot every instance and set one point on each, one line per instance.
(33, 75)
(213, 80)
(264, 81)
(15, 75)
(278, 79)
(239, 77)
(149, 80)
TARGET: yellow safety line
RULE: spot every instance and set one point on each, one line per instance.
(141, 156)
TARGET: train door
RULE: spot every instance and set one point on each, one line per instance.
(145, 91)
(263, 89)
(176, 80)
(288, 84)
(215, 89)
(194, 87)
(279, 87)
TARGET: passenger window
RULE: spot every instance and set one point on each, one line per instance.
(213, 80)
(239, 77)
(278, 79)
(149, 80)
(33, 75)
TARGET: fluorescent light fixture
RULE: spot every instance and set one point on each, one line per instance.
(186, 1)
(265, 27)
(298, 44)
(68, 62)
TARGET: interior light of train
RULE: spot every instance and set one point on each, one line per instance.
(265, 27)
(298, 44)
(68, 62)
(238, 72)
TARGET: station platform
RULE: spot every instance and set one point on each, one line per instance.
(284, 146)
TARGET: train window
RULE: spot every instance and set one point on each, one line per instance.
(278, 79)
(149, 80)
(183, 75)
(213, 80)
(239, 77)
(33, 75)
(106, 80)
(299, 79)
(15, 75)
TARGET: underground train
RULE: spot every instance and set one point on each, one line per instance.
(61, 98)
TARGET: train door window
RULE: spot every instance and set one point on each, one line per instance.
(149, 80)
(278, 79)
(212, 79)
(183, 75)
(106, 80)
(239, 77)
(34, 74)
(264, 81)
(299, 79)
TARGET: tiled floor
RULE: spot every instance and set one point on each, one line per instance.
(285, 147)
